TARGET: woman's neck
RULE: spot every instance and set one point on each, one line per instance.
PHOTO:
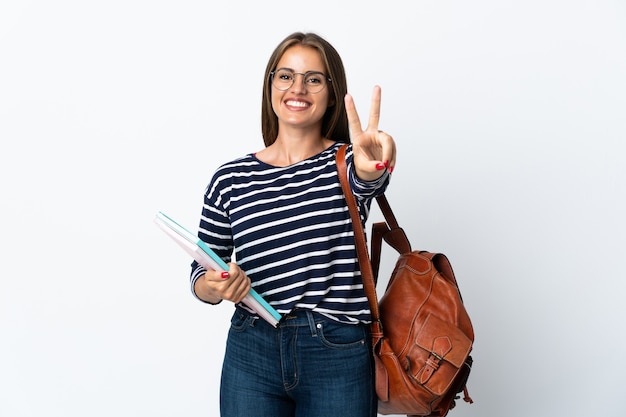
(288, 150)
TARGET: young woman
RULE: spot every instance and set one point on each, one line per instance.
(281, 213)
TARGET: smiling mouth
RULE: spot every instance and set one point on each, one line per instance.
(299, 104)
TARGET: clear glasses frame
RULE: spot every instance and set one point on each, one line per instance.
(312, 81)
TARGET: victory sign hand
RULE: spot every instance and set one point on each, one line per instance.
(374, 150)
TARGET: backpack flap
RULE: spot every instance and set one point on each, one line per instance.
(439, 351)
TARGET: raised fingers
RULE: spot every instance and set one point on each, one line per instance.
(354, 122)
(374, 109)
(353, 117)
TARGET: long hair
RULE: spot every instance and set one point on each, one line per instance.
(335, 121)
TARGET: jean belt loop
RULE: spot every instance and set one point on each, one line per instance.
(312, 325)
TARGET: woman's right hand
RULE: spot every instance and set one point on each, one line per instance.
(233, 285)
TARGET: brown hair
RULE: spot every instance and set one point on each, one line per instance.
(335, 121)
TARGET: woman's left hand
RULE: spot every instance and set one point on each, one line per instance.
(374, 150)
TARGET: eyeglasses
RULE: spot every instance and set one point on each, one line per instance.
(313, 81)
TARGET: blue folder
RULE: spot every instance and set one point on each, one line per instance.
(205, 256)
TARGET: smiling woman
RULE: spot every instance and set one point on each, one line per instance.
(281, 213)
(511, 138)
(299, 107)
(323, 58)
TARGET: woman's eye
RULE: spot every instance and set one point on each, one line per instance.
(285, 76)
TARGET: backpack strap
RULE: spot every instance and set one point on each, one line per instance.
(390, 232)
(361, 244)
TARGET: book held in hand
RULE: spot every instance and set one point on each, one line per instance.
(206, 257)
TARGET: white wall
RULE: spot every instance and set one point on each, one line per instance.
(509, 118)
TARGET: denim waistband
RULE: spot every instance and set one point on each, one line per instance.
(295, 318)
(300, 317)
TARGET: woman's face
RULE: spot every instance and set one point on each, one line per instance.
(297, 107)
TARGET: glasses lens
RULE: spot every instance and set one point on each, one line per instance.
(282, 79)
(314, 82)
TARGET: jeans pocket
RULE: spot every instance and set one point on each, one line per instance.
(342, 336)
(240, 321)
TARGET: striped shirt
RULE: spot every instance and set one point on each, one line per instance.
(289, 229)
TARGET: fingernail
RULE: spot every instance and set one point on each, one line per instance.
(225, 275)
(391, 169)
(380, 166)
(387, 164)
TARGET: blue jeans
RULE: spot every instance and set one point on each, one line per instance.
(309, 366)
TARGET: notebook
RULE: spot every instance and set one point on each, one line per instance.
(206, 257)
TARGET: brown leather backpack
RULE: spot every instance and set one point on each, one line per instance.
(421, 332)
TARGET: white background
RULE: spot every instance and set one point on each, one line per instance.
(510, 119)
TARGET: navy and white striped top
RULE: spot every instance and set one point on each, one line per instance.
(290, 230)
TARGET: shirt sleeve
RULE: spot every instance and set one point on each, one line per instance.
(365, 191)
(214, 228)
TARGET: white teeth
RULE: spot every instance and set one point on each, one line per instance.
(297, 104)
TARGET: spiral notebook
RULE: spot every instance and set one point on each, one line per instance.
(205, 256)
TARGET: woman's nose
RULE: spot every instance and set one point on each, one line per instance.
(298, 83)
